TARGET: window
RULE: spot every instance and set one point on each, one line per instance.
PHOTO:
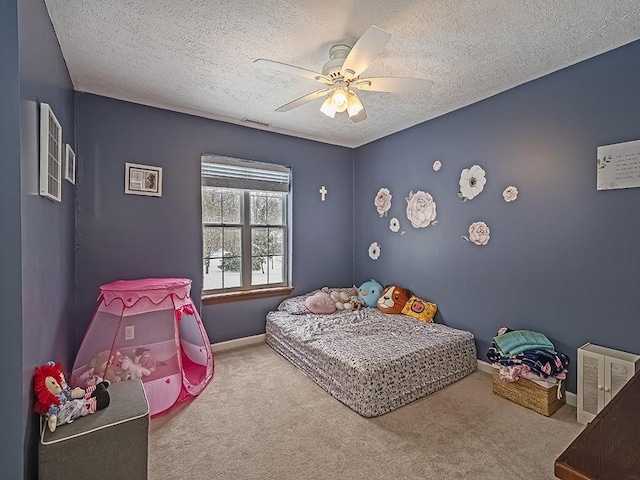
(244, 224)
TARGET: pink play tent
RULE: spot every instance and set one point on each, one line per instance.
(147, 329)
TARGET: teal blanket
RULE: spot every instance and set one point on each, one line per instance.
(518, 341)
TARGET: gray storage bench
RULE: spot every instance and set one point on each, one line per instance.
(111, 442)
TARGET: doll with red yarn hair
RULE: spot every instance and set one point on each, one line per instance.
(59, 403)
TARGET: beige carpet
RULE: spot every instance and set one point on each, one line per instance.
(262, 419)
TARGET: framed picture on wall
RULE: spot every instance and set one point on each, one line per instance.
(50, 154)
(142, 180)
(70, 165)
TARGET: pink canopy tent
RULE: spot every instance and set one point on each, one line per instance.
(147, 329)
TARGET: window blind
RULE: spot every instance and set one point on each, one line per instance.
(227, 172)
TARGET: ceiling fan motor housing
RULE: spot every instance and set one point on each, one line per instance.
(337, 53)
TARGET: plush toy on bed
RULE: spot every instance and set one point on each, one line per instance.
(344, 301)
(59, 403)
(369, 292)
(320, 302)
(393, 299)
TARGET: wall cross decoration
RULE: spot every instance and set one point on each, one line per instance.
(323, 192)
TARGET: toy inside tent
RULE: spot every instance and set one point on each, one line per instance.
(147, 329)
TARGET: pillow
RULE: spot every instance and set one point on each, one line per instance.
(393, 299)
(296, 306)
(418, 308)
(369, 292)
(320, 302)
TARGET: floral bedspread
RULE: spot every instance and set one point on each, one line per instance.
(371, 361)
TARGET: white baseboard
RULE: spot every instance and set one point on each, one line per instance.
(572, 398)
(238, 342)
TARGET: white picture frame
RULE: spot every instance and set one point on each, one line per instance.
(50, 154)
(142, 180)
(70, 165)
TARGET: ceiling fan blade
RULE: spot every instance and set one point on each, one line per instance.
(393, 84)
(366, 49)
(293, 70)
(302, 100)
(362, 115)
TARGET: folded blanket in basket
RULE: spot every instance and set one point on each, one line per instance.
(545, 362)
(517, 341)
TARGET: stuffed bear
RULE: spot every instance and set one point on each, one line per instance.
(393, 299)
(59, 403)
(369, 292)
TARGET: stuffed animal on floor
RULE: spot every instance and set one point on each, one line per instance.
(108, 365)
(369, 292)
(393, 299)
(59, 403)
(136, 371)
(89, 378)
(146, 358)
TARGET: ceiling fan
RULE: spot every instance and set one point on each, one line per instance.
(341, 77)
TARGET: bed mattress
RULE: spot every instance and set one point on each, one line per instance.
(371, 361)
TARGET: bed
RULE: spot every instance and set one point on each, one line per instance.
(371, 361)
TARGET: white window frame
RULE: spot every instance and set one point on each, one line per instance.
(246, 226)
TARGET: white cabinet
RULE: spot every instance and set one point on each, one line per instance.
(602, 372)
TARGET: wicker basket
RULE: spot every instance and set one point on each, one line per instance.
(529, 394)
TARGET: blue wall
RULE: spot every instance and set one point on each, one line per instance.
(47, 227)
(11, 418)
(563, 258)
(128, 236)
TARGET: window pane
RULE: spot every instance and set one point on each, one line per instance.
(276, 269)
(274, 209)
(276, 241)
(267, 269)
(222, 257)
(258, 208)
(231, 206)
(211, 204)
(267, 255)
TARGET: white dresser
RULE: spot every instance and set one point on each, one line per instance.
(602, 372)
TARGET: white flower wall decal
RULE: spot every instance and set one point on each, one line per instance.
(437, 165)
(421, 209)
(383, 201)
(394, 224)
(374, 251)
(472, 182)
(479, 233)
(510, 194)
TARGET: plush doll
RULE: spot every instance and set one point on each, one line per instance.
(369, 292)
(320, 302)
(59, 403)
(108, 365)
(89, 378)
(344, 301)
(136, 371)
(393, 299)
(146, 358)
(341, 300)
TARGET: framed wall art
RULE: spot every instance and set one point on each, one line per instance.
(50, 154)
(70, 165)
(142, 180)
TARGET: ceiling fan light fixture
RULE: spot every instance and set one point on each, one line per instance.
(339, 99)
(354, 105)
(327, 108)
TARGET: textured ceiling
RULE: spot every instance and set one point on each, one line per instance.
(196, 56)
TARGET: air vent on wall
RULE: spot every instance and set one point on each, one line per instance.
(256, 122)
